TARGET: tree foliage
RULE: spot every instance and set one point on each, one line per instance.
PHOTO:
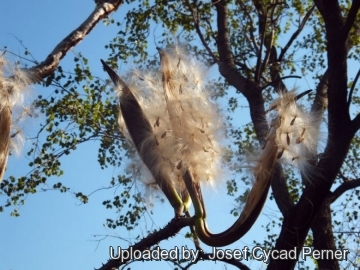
(256, 46)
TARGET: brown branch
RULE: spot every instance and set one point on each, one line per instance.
(223, 32)
(252, 37)
(353, 87)
(228, 70)
(269, 50)
(350, 184)
(296, 33)
(262, 30)
(337, 63)
(275, 69)
(320, 101)
(198, 31)
(343, 177)
(170, 230)
(355, 123)
(351, 18)
(48, 66)
(337, 57)
(324, 236)
(227, 66)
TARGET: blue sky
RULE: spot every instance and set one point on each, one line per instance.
(54, 231)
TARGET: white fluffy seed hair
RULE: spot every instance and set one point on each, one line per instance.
(11, 109)
(292, 137)
(297, 135)
(187, 125)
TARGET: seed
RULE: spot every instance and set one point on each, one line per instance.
(178, 166)
(157, 122)
(13, 135)
(292, 121)
(301, 138)
(163, 135)
(287, 138)
(303, 132)
(280, 153)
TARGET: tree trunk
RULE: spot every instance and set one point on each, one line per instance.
(323, 236)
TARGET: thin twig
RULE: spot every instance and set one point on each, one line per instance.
(296, 33)
(198, 30)
(353, 87)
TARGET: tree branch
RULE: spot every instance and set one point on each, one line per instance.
(49, 65)
(198, 31)
(324, 236)
(262, 14)
(275, 69)
(227, 65)
(351, 18)
(170, 230)
(269, 50)
(320, 101)
(252, 37)
(227, 68)
(355, 123)
(337, 63)
(353, 87)
(350, 184)
(296, 33)
(226, 56)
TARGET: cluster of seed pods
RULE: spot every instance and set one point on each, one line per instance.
(186, 124)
